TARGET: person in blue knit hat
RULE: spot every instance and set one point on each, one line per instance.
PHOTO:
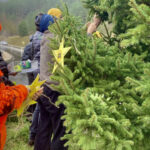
(32, 52)
(50, 129)
(46, 20)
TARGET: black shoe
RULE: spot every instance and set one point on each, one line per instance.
(31, 142)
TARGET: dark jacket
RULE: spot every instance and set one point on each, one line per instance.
(37, 37)
(27, 52)
(32, 52)
(36, 42)
(4, 69)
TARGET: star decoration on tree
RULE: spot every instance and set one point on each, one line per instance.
(59, 55)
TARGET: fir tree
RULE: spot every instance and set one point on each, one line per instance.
(138, 37)
(22, 29)
(103, 111)
(130, 21)
(117, 11)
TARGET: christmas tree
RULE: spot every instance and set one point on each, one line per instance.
(137, 38)
(104, 88)
(129, 18)
(114, 11)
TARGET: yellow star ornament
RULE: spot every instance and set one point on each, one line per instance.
(33, 88)
(59, 55)
(97, 34)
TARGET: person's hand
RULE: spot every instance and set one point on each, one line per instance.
(87, 25)
(38, 94)
(91, 29)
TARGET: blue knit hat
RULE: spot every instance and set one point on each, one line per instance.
(46, 20)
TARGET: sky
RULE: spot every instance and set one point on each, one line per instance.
(3, 0)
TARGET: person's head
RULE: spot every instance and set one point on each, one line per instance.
(55, 12)
(37, 21)
(46, 20)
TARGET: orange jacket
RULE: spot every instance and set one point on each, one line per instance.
(11, 97)
(0, 27)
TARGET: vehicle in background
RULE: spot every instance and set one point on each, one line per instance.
(3, 43)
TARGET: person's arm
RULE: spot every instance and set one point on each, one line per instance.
(11, 97)
(91, 27)
(13, 73)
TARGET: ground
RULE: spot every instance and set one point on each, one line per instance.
(17, 135)
(16, 40)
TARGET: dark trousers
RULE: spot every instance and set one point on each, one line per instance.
(50, 129)
(35, 122)
(31, 77)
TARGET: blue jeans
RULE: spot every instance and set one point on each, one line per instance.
(35, 122)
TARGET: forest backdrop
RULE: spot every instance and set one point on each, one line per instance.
(16, 14)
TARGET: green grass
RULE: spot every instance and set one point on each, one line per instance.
(17, 135)
(16, 40)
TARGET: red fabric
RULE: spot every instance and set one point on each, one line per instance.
(1, 73)
(2, 131)
(11, 97)
(0, 27)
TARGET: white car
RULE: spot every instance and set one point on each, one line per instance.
(3, 43)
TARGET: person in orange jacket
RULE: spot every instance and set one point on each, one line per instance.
(11, 97)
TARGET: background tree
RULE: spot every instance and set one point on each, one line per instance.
(138, 37)
(17, 11)
(22, 29)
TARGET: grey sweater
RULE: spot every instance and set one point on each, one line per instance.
(46, 58)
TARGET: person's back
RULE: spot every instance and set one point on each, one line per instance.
(46, 57)
(27, 54)
(36, 42)
(32, 49)
(37, 37)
